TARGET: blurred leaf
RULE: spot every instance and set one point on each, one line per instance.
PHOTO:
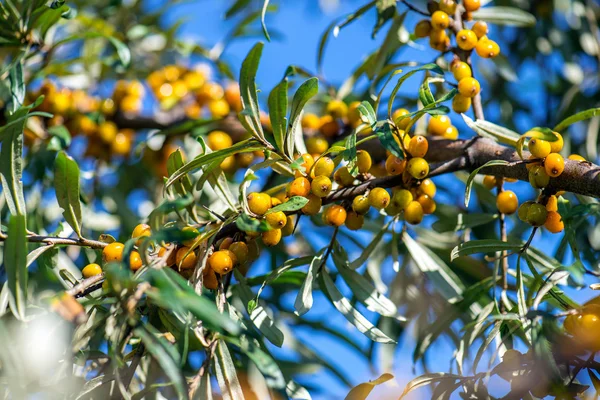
(250, 114)
(278, 103)
(17, 87)
(362, 391)
(492, 131)
(122, 50)
(462, 220)
(483, 246)
(66, 184)
(580, 116)
(504, 16)
(304, 299)
(263, 360)
(278, 272)
(15, 264)
(473, 174)
(350, 313)
(156, 220)
(297, 392)
(305, 92)
(294, 203)
(46, 18)
(262, 19)
(386, 9)
(226, 374)
(11, 163)
(392, 42)
(236, 7)
(427, 379)
(34, 254)
(368, 251)
(505, 69)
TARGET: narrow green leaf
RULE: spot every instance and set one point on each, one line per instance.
(580, 116)
(367, 113)
(350, 313)
(15, 264)
(304, 299)
(504, 16)
(492, 131)
(483, 246)
(66, 185)
(368, 251)
(279, 271)
(11, 164)
(122, 50)
(386, 9)
(278, 103)
(226, 374)
(250, 114)
(262, 19)
(17, 87)
(425, 94)
(387, 138)
(293, 204)
(473, 174)
(262, 359)
(394, 39)
(305, 92)
(427, 67)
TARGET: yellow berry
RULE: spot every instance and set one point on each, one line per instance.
(413, 213)
(440, 20)
(400, 117)
(288, 229)
(379, 198)
(461, 104)
(552, 203)
(324, 167)
(489, 182)
(466, 39)
(321, 186)
(363, 161)
(221, 262)
(438, 125)
(186, 258)
(311, 121)
(135, 260)
(299, 187)
(402, 198)
(353, 114)
(507, 202)
(360, 204)
(448, 6)
(480, 28)
(423, 28)
(343, 177)
(418, 168)
(337, 109)
(451, 133)
(539, 148)
(554, 165)
(335, 215)
(240, 250)
(107, 131)
(354, 221)
(471, 5)
(91, 270)
(140, 231)
(576, 157)
(418, 146)
(427, 187)
(486, 48)
(316, 145)
(113, 252)
(272, 237)
(468, 87)
(558, 144)
(276, 220)
(313, 206)
(538, 178)
(461, 70)
(219, 140)
(537, 214)
(259, 203)
(328, 126)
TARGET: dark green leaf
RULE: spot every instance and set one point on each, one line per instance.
(427, 67)
(66, 185)
(386, 9)
(226, 374)
(248, 224)
(278, 103)
(293, 204)
(15, 264)
(11, 161)
(305, 92)
(387, 138)
(250, 115)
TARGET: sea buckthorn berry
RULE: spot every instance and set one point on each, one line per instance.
(363, 161)
(402, 198)
(461, 70)
(471, 5)
(427, 203)
(91, 270)
(310, 121)
(418, 146)
(558, 144)
(537, 214)
(209, 279)
(392, 209)
(539, 148)
(451, 133)
(192, 234)
(113, 252)
(185, 259)
(440, 20)
(324, 167)
(275, 201)
(413, 213)
(395, 165)
(313, 206)
(328, 126)
(480, 28)
(487, 48)
(400, 117)
(272, 237)
(171, 259)
(448, 6)
(354, 221)
(107, 131)
(288, 229)
(299, 187)
(240, 250)
(140, 231)
(530, 165)
(552, 203)
(354, 117)
(259, 203)
(225, 243)
(228, 164)
(438, 39)
(360, 204)
(316, 145)
(335, 215)
(489, 182)
(219, 140)
(468, 87)
(343, 177)
(554, 222)
(276, 220)
(554, 165)
(337, 109)
(218, 108)
(418, 168)
(135, 260)
(523, 210)
(538, 178)
(121, 145)
(221, 262)
(321, 186)
(438, 125)
(427, 187)
(576, 157)
(466, 39)
(507, 202)
(379, 198)
(461, 104)
(423, 28)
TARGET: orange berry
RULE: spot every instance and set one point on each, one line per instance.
(140, 231)
(328, 126)
(461, 70)
(489, 182)
(276, 220)
(399, 118)
(440, 20)
(451, 133)
(313, 206)
(554, 165)
(91, 270)
(552, 203)
(461, 104)
(354, 221)
(379, 198)
(321, 186)
(576, 157)
(219, 140)
(221, 262)
(471, 5)
(395, 165)
(423, 28)
(337, 109)
(135, 260)
(185, 259)
(240, 250)
(554, 222)
(468, 87)
(427, 203)
(418, 146)
(487, 48)
(335, 215)
(480, 28)
(507, 202)
(299, 187)
(427, 187)
(259, 203)
(310, 121)
(209, 279)
(466, 39)
(438, 124)
(172, 258)
(113, 252)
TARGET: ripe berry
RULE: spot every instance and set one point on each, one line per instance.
(354, 117)
(313, 206)
(471, 5)
(538, 178)
(552, 203)
(537, 214)
(363, 161)
(307, 163)
(438, 125)
(539, 148)
(440, 20)
(523, 210)
(219, 140)
(140, 231)
(427, 203)
(135, 260)
(413, 213)
(554, 165)
(272, 237)
(121, 145)
(324, 166)
(335, 215)
(259, 203)
(439, 40)
(91, 270)
(558, 144)
(276, 220)
(185, 259)
(107, 131)
(461, 104)
(480, 28)
(225, 243)
(554, 222)
(311, 121)
(399, 118)
(343, 177)
(321, 186)
(418, 168)
(395, 165)
(316, 144)
(288, 229)
(418, 146)
(354, 221)
(576, 157)
(221, 262)
(451, 133)
(337, 109)
(423, 28)
(507, 202)
(328, 126)
(427, 187)
(448, 6)
(489, 182)
(468, 87)
(113, 252)
(466, 39)
(171, 259)
(461, 70)
(402, 198)
(240, 250)
(299, 187)
(379, 198)
(209, 279)
(487, 48)
(360, 204)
